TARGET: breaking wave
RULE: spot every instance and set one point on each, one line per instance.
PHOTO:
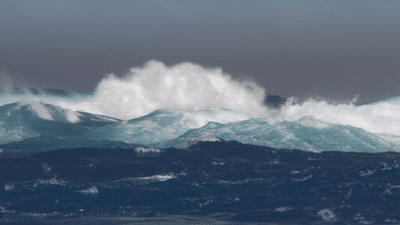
(183, 86)
(378, 117)
(191, 86)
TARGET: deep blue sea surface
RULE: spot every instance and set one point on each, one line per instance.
(222, 182)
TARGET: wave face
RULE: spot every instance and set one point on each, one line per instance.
(19, 121)
(41, 127)
(190, 87)
(306, 134)
(163, 125)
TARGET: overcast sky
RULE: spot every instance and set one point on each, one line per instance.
(334, 49)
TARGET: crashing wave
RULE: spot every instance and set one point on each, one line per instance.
(166, 105)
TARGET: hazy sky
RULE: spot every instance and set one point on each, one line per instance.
(334, 49)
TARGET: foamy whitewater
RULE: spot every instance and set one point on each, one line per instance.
(191, 87)
(184, 86)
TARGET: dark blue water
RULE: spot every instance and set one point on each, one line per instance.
(219, 182)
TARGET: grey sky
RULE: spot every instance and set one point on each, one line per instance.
(334, 49)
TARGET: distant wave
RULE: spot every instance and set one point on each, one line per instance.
(191, 86)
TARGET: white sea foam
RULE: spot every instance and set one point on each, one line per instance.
(183, 86)
(9, 187)
(162, 177)
(327, 215)
(147, 150)
(379, 117)
(52, 181)
(91, 190)
(283, 209)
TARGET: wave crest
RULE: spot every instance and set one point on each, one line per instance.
(183, 86)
